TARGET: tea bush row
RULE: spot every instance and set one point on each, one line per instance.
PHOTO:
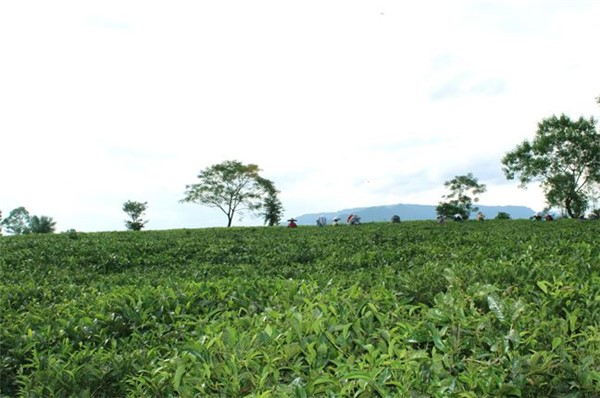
(411, 309)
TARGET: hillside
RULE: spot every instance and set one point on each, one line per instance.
(493, 309)
(410, 212)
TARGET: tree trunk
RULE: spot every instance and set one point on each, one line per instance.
(568, 203)
(230, 218)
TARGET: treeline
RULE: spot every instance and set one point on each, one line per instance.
(20, 222)
(563, 158)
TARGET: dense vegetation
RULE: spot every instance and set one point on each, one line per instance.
(416, 309)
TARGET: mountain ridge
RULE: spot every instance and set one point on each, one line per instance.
(408, 212)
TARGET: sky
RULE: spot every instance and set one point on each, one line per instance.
(341, 103)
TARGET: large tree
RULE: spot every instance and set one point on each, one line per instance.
(564, 157)
(232, 187)
(17, 222)
(463, 191)
(135, 210)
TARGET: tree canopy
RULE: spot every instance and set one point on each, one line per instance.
(17, 222)
(135, 210)
(42, 225)
(232, 187)
(463, 191)
(272, 209)
(20, 222)
(502, 215)
(564, 157)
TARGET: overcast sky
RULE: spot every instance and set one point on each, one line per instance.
(341, 103)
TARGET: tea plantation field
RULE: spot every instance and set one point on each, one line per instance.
(417, 309)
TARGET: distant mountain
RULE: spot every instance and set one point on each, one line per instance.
(409, 212)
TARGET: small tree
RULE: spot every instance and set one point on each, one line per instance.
(448, 209)
(135, 210)
(42, 225)
(564, 157)
(502, 215)
(17, 222)
(461, 197)
(231, 187)
(272, 209)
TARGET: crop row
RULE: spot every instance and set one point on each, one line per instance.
(415, 309)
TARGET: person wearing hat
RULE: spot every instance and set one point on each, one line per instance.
(335, 221)
(292, 223)
(321, 221)
(353, 219)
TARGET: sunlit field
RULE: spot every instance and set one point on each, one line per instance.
(415, 309)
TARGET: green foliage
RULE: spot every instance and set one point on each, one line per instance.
(412, 309)
(17, 222)
(502, 215)
(231, 187)
(448, 209)
(461, 197)
(135, 210)
(272, 210)
(42, 225)
(564, 157)
(71, 233)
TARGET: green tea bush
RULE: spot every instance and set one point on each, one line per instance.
(500, 308)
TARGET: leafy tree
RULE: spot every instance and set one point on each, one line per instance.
(72, 233)
(273, 209)
(42, 225)
(502, 215)
(447, 209)
(564, 157)
(460, 200)
(231, 187)
(17, 222)
(135, 210)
